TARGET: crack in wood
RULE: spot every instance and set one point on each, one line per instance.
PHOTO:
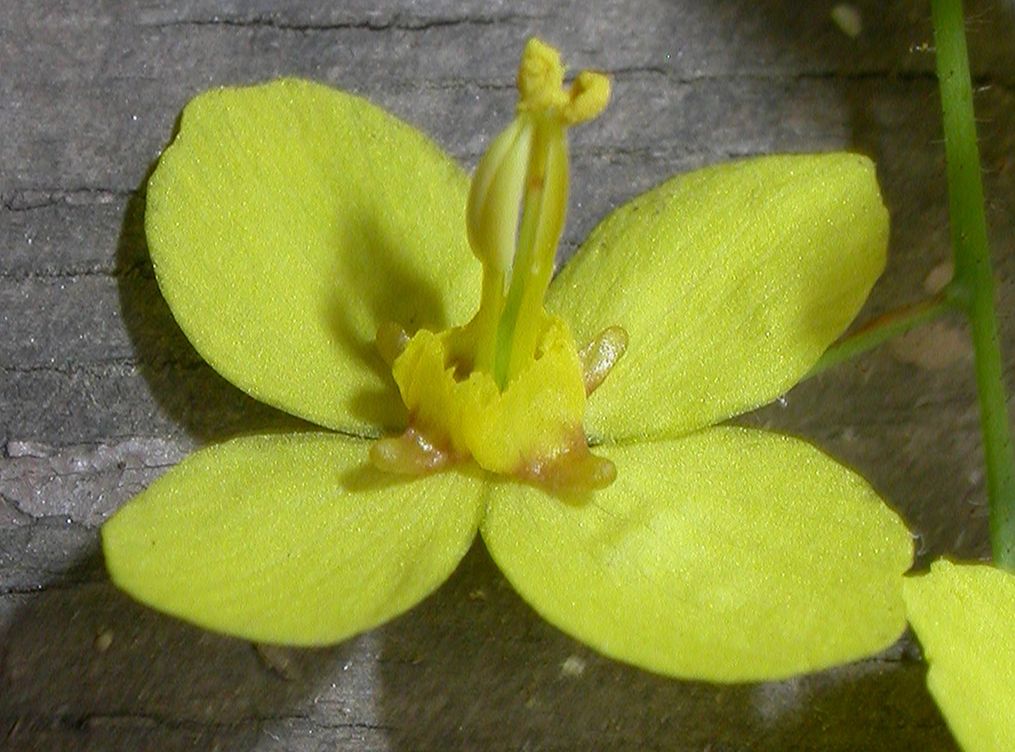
(84, 721)
(123, 366)
(42, 588)
(141, 268)
(32, 199)
(394, 23)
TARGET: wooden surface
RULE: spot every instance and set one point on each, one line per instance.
(100, 392)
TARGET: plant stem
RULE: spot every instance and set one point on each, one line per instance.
(974, 281)
(882, 329)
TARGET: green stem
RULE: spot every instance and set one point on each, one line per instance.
(973, 277)
(882, 329)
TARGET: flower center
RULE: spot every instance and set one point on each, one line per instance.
(509, 388)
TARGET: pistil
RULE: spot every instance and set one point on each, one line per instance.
(508, 389)
(517, 206)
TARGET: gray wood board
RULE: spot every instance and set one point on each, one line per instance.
(101, 392)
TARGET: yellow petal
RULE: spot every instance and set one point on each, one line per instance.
(289, 539)
(730, 281)
(286, 223)
(965, 619)
(726, 555)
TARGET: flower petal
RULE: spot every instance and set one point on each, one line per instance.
(727, 555)
(730, 281)
(289, 539)
(963, 616)
(286, 222)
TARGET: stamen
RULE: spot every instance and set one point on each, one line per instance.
(600, 355)
(496, 192)
(412, 453)
(574, 472)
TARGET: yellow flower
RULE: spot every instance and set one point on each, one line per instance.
(963, 615)
(289, 222)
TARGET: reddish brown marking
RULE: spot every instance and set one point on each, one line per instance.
(414, 452)
(574, 470)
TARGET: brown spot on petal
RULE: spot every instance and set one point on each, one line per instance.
(574, 471)
(412, 453)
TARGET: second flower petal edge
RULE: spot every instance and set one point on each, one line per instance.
(962, 614)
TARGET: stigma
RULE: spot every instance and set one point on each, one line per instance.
(508, 389)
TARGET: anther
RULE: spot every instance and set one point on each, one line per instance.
(600, 355)
(574, 472)
(412, 453)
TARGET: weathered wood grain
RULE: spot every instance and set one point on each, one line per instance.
(100, 392)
